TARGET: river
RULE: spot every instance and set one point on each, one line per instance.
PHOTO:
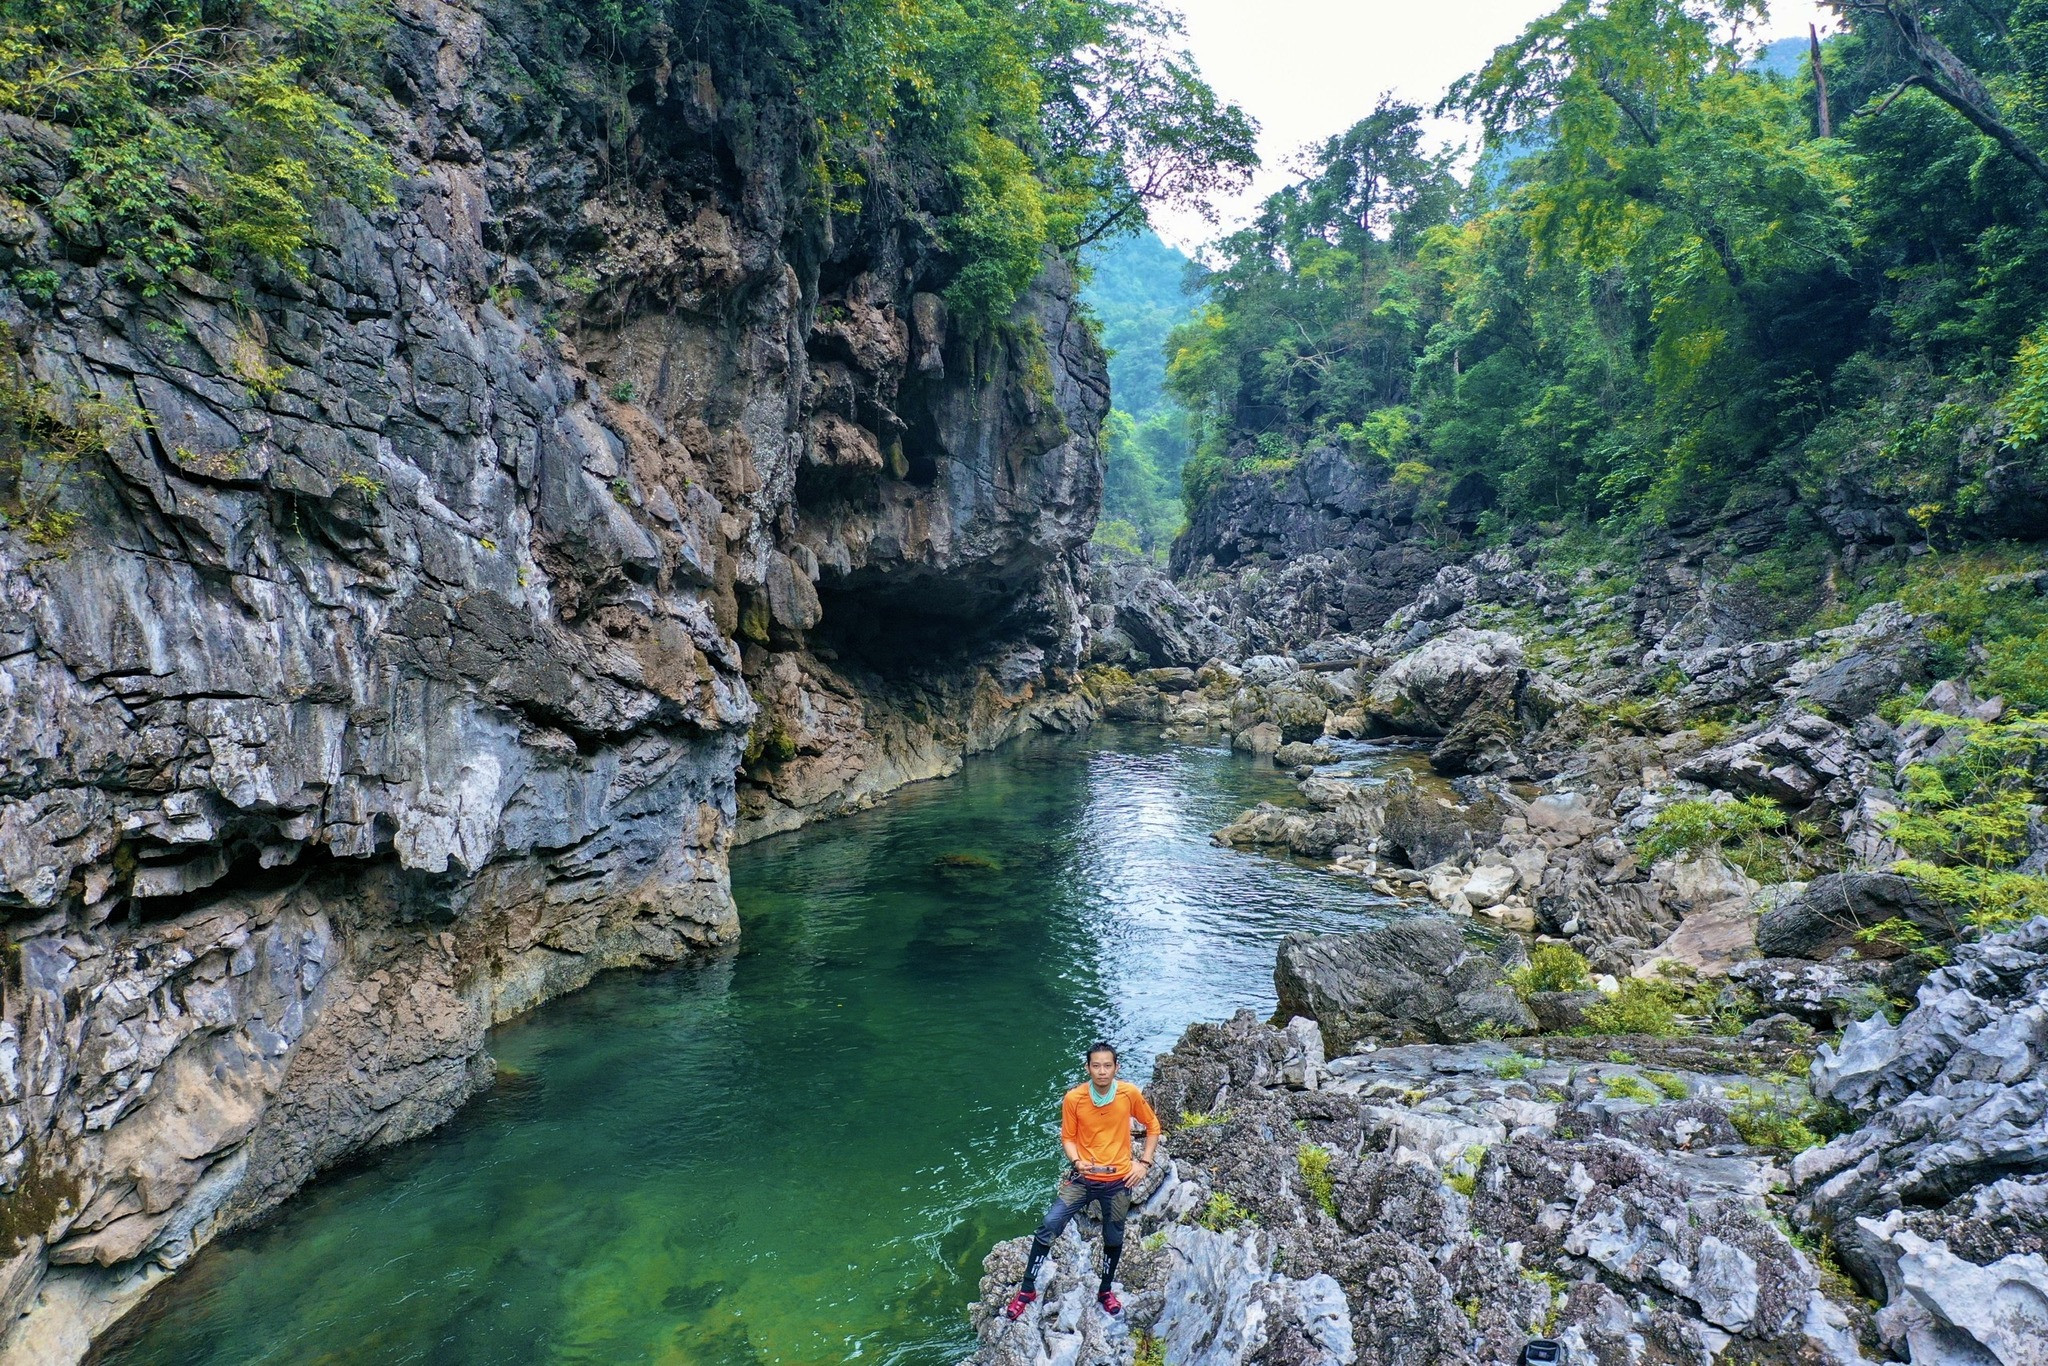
(802, 1152)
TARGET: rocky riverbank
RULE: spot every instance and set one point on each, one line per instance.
(433, 622)
(1631, 1197)
(1689, 1053)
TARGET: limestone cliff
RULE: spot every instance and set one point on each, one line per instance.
(441, 617)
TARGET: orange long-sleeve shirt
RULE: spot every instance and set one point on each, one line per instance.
(1102, 1133)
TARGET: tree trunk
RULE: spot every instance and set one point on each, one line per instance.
(1820, 86)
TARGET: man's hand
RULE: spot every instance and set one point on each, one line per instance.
(1138, 1169)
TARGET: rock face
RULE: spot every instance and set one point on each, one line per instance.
(1938, 1200)
(1142, 619)
(1454, 1210)
(439, 625)
(1327, 546)
(1414, 979)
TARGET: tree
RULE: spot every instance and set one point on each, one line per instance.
(1129, 124)
(1940, 72)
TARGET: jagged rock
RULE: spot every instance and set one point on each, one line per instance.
(1829, 994)
(1426, 830)
(1953, 1097)
(1824, 919)
(1415, 979)
(1801, 760)
(1156, 620)
(1641, 1227)
(1260, 670)
(1942, 1308)
(1328, 546)
(1569, 814)
(1432, 689)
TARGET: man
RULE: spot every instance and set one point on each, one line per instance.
(1095, 1131)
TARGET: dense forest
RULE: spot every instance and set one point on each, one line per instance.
(1676, 274)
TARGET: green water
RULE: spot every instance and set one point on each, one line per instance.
(801, 1153)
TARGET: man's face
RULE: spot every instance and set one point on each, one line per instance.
(1102, 1069)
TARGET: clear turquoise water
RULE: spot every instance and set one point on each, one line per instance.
(800, 1153)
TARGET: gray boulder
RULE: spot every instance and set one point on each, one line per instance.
(1425, 830)
(1154, 619)
(1824, 919)
(1421, 979)
(1472, 689)
(1800, 759)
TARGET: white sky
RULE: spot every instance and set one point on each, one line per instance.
(1306, 69)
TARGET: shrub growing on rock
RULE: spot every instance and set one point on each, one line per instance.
(1640, 1007)
(1552, 967)
(1695, 827)
(1972, 821)
(1314, 1162)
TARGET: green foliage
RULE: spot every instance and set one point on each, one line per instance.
(1314, 1162)
(197, 133)
(1670, 1083)
(1693, 827)
(1223, 1213)
(1552, 967)
(1639, 1007)
(1149, 1350)
(1513, 1067)
(1627, 1086)
(1463, 1175)
(1046, 126)
(1202, 1119)
(1766, 1118)
(1903, 936)
(1660, 293)
(2025, 407)
(1966, 823)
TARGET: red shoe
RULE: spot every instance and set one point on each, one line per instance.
(1110, 1303)
(1019, 1302)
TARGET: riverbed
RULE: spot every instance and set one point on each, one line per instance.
(799, 1153)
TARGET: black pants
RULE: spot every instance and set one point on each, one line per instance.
(1073, 1196)
(1112, 1198)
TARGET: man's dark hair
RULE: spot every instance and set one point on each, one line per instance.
(1102, 1046)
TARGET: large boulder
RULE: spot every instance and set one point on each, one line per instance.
(1825, 918)
(1424, 979)
(1425, 829)
(1800, 759)
(1935, 1200)
(1470, 688)
(1433, 688)
(1155, 619)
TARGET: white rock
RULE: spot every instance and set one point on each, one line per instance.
(1490, 886)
